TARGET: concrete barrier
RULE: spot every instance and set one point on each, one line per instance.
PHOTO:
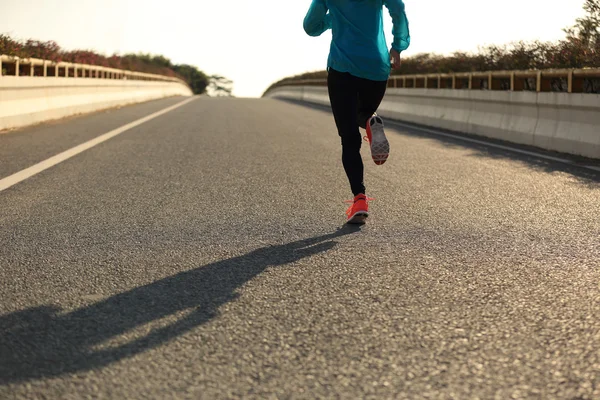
(30, 100)
(562, 122)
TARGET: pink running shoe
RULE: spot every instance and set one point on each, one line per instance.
(358, 211)
(380, 147)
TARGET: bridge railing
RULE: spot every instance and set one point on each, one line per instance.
(34, 90)
(553, 80)
(32, 67)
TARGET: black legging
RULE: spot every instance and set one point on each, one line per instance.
(353, 101)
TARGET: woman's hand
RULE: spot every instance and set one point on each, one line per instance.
(395, 59)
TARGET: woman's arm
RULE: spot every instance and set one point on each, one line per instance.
(317, 19)
(400, 25)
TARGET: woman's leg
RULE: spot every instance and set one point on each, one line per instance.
(370, 95)
(343, 94)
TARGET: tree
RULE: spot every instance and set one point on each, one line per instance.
(220, 86)
(197, 80)
(587, 29)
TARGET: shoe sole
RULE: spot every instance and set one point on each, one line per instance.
(380, 147)
(358, 218)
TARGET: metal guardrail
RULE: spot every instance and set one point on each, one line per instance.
(557, 80)
(33, 67)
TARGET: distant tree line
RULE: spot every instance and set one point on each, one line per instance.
(579, 49)
(152, 64)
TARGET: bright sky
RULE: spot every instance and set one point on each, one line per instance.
(255, 43)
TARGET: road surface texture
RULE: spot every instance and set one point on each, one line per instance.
(203, 254)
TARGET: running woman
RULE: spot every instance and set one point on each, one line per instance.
(358, 68)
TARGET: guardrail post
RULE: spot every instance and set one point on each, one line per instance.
(17, 67)
(425, 83)
(490, 81)
(439, 85)
(539, 82)
(75, 71)
(66, 71)
(453, 81)
(470, 81)
(512, 81)
(45, 68)
(570, 81)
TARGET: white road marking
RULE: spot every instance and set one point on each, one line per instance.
(498, 146)
(65, 155)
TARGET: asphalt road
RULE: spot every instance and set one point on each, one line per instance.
(203, 254)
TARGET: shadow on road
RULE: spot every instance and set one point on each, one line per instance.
(584, 176)
(38, 342)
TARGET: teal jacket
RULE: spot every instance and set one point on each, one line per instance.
(358, 45)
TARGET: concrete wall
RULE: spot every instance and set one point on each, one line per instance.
(29, 100)
(563, 122)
